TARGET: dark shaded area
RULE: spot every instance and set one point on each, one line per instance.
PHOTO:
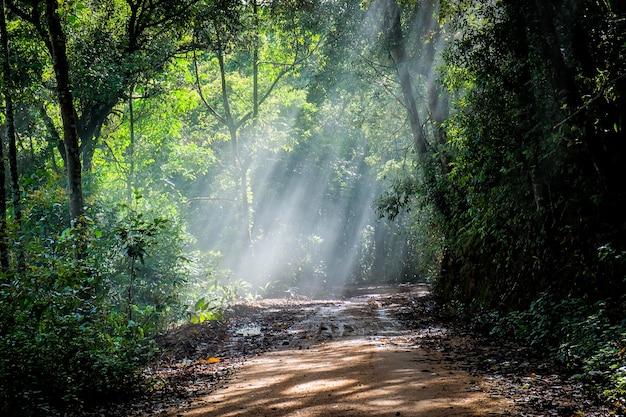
(535, 203)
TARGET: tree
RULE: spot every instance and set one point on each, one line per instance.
(57, 48)
(112, 48)
(55, 39)
(10, 135)
(247, 33)
(117, 47)
(397, 51)
(99, 44)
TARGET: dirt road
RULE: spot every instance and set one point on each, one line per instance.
(350, 358)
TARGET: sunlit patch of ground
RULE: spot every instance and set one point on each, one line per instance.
(346, 378)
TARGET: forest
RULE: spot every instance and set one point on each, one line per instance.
(162, 158)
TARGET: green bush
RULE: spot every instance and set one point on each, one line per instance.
(585, 338)
(76, 328)
(59, 346)
(605, 370)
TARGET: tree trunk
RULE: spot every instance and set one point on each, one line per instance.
(379, 264)
(68, 113)
(10, 133)
(241, 171)
(4, 247)
(55, 140)
(439, 109)
(89, 126)
(397, 51)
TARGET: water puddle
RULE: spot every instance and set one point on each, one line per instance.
(249, 330)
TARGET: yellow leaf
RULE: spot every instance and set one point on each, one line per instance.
(210, 360)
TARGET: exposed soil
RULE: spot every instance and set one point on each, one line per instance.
(376, 351)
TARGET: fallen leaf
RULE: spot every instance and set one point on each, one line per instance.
(212, 359)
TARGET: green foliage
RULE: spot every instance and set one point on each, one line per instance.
(135, 236)
(210, 289)
(219, 296)
(605, 371)
(60, 344)
(582, 337)
(203, 310)
(146, 264)
(529, 205)
(530, 196)
(69, 335)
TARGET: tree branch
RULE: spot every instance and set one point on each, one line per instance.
(211, 109)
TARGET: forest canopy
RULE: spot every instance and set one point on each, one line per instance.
(161, 158)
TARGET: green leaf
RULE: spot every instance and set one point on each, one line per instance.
(194, 319)
(201, 304)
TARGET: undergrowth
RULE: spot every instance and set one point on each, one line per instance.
(589, 340)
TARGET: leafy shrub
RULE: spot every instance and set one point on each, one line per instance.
(584, 338)
(211, 289)
(148, 266)
(68, 335)
(59, 346)
(605, 370)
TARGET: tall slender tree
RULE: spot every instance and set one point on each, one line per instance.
(57, 47)
(10, 131)
(225, 30)
(49, 25)
(397, 51)
(10, 136)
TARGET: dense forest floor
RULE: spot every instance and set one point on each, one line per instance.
(368, 351)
